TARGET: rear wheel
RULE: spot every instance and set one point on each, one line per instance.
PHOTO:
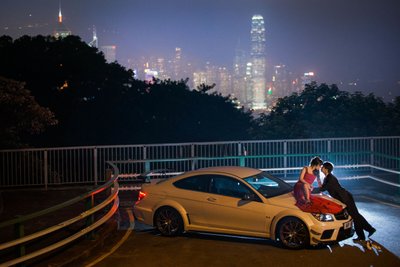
(293, 233)
(168, 221)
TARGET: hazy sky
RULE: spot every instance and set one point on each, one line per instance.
(341, 40)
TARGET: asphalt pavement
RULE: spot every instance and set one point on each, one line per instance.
(134, 244)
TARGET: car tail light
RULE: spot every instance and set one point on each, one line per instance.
(141, 195)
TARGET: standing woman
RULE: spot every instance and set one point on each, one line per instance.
(303, 187)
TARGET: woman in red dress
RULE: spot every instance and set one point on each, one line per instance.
(303, 187)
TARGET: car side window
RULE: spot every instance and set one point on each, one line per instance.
(195, 183)
(227, 186)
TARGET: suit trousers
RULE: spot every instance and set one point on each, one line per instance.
(360, 223)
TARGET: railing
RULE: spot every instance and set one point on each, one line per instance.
(108, 206)
(88, 164)
(83, 165)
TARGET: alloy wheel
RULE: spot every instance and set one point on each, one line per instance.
(293, 233)
(168, 221)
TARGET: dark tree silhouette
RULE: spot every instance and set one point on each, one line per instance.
(20, 115)
(99, 103)
(325, 111)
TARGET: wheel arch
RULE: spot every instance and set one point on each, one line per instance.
(175, 205)
(281, 216)
(291, 239)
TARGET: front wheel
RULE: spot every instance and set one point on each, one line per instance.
(293, 233)
(168, 221)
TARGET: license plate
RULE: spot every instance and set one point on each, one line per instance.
(348, 224)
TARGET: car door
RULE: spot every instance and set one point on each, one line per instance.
(225, 209)
(192, 193)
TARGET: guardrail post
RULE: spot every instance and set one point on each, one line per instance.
(192, 155)
(45, 169)
(19, 230)
(371, 148)
(241, 155)
(108, 176)
(285, 158)
(96, 178)
(371, 155)
(329, 148)
(194, 163)
(146, 162)
(90, 219)
(242, 162)
(147, 166)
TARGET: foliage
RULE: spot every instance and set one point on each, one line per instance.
(325, 111)
(20, 114)
(99, 103)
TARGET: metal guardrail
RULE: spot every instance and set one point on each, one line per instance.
(91, 225)
(20, 242)
(84, 165)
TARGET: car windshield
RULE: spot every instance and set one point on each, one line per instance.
(268, 185)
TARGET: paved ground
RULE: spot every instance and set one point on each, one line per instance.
(149, 249)
(137, 245)
(146, 247)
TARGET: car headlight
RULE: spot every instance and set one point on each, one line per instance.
(323, 217)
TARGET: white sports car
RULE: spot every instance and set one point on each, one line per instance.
(237, 201)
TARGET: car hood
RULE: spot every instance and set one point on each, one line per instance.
(288, 201)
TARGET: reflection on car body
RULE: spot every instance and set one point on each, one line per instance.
(238, 201)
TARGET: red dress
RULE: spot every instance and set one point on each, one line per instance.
(299, 187)
(318, 204)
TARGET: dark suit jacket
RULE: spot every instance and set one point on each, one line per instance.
(331, 184)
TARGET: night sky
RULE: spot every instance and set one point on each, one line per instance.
(341, 40)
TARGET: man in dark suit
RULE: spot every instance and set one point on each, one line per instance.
(331, 184)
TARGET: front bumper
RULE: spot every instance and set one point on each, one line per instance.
(332, 234)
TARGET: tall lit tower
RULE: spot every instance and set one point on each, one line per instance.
(109, 52)
(61, 31)
(239, 76)
(257, 58)
(177, 63)
(94, 42)
(59, 14)
(281, 81)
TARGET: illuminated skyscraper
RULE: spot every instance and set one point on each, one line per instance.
(281, 82)
(94, 42)
(249, 84)
(257, 58)
(307, 78)
(177, 63)
(199, 78)
(110, 52)
(224, 81)
(61, 31)
(239, 77)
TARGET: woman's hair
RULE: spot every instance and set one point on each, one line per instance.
(316, 161)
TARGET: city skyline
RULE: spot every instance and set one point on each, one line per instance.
(342, 42)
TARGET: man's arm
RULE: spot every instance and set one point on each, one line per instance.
(324, 186)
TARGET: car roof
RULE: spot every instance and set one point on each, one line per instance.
(238, 171)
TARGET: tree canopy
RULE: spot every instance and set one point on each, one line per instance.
(98, 103)
(20, 115)
(325, 111)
